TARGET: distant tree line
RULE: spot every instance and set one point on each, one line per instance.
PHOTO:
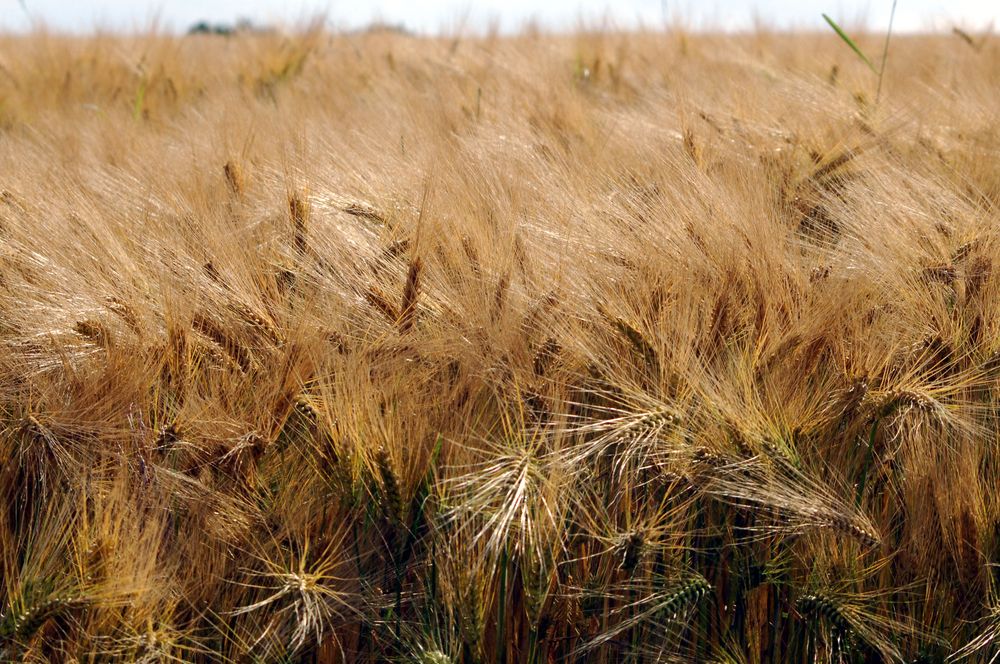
(225, 29)
(244, 26)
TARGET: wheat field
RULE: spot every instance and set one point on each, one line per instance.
(598, 347)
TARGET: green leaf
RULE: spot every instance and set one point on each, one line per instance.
(850, 42)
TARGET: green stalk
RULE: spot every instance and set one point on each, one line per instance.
(774, 597)
(533, 645)
(869, 458)
(885, 53)
(502, 610)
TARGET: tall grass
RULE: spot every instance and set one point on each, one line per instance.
(593, 348)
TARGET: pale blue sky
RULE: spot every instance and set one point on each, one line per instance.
(433, 15)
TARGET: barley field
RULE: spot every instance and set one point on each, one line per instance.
(596, 347)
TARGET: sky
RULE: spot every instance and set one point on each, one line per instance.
(446, 15)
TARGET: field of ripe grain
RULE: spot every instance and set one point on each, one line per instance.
(605, 347)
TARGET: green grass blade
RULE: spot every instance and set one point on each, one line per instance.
(850, 42)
